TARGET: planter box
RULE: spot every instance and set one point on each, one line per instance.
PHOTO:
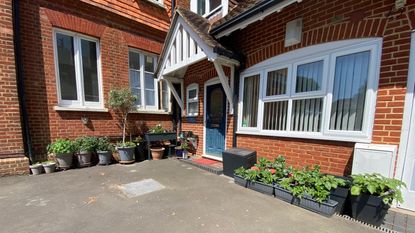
(151, 137)
(261, 187)
(241, 181)
(326, 208)
(369, 209)
(340, 194)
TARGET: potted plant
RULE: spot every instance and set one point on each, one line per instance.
(84, 148)
(104, 150)
(140, 148)
(157, 138)
(371, 196)
(49, 166)
(185, 147)
(63, 150)
(341, 195)
(36, 168)
(309, 189)
(122, 102)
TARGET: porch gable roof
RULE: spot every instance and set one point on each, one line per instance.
(188, 41)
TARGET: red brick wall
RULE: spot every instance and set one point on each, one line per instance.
(116, 34)
(326, 21)
(11, 142)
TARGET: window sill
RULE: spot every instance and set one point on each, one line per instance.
(312, 136)
(156, 3)
(158, 112)
(80, 109)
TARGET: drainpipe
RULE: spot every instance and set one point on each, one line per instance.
(20, 81)
(235, 104)
(173, 5)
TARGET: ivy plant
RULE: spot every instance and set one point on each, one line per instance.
(61, 146)
(377, 185)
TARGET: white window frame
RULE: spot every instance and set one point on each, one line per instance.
(193, 86)
(207, 14)
(143, 89)
(80, 103)
(327, 52)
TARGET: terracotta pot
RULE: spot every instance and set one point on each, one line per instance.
(157, 153)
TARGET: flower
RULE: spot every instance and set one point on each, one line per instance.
(272, 171)
(255, 168)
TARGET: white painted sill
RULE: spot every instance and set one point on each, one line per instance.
(306, 136)
(158, 112)
(80, 109)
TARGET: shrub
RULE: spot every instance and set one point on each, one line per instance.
(61, 146)
(103, 144)
(86, 143)
(378, 185)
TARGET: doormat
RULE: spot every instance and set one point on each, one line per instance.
(204, 161)
(142, 187)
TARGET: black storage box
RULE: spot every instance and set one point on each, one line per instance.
(235, 158)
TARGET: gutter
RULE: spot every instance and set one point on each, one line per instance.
(20, 81)
(257, 9)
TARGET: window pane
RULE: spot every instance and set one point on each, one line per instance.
(214, 4)
(193, 108)
(277, 82)
(149, 64)
(150, 97)
(306, 115)
(90, 70)
(137, 93)
(165, 100)
(135, 78)
(67, 79)
(134, 60)
(349, 91)
(275, 115)
(250, 101)
(309, 77)
(192, 94)
(201, 7)
(149, 81)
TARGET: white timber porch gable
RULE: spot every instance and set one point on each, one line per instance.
(184, 47)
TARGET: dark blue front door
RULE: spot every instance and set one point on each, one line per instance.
(215, 120)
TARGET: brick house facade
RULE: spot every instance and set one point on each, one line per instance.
(118, 26)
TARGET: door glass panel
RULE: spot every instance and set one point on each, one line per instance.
(67, 79)
(216, 108)
(90, 70)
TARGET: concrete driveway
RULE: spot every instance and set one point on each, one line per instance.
(92, 200)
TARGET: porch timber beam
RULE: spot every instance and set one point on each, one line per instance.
(175, 94)
(225, 84)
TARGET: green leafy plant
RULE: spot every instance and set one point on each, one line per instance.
(185, 145)
(126, 144)
(122, 102)
(157, 129)
(378, 185)
(103, 144)
(47, 162)
(310, 182)
(61, 146)
(86, 143)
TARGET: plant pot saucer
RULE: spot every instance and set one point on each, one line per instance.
(126, 161)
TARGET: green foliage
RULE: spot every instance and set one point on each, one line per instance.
(47, 162)
(185, 145)
(85, 143)
(378, 185)
(103, 144)
(157, 129)
(122, 102)
(311, 182)
(61, 146)
(126, 144)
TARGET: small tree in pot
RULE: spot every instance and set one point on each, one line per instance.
(63, 150)
(122, 102)
(104, 150)
(84, 148)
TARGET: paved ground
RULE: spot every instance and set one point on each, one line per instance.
(89, 200)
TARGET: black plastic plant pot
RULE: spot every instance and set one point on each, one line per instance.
(240, 180)
(283, 194)
(261, 187)
(340, 194)
(326, 208)
(369, 209)
(104, 157)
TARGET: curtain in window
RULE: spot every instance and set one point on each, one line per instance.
(309, 77)
(306, 115)
(349, 91)
(275, 115)
(250, 101)
(277, 82)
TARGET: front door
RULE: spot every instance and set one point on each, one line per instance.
(215, 121)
